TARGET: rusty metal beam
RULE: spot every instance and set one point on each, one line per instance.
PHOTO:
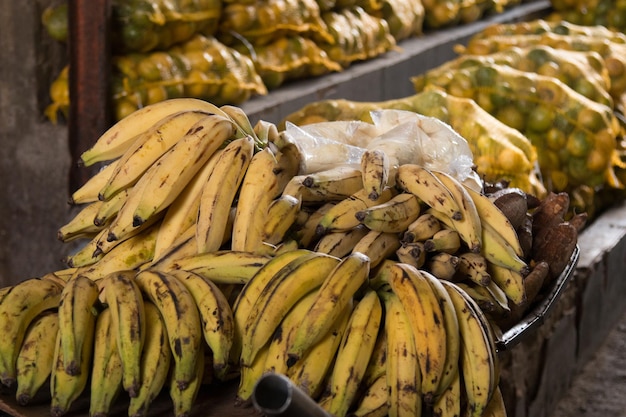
(89, 60)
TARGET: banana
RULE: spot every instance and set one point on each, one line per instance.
(490, 214)
(267, 132)
(88, 253)
(109, 209)
(77, 317)
(487, 301)
(276, 360)
(341, 180)
(448, 403)
(119, 138)
(184, 245)
(445, 240)
(378, 361)
(148, 148)
(451, 324)
(280, 294)
(470, 224)
(90, 190)
(377, 246)
(104, 245)
(478, 352)
(260, 186)
(412, 254)
(342, 216)
(129, 254)
(183, 399)
(312, 370)
(183, 212)
(181, 317)
(496, 406)
(428, 188)
(219, 193)
(82, 223)
(155, 362)
(64, 388)
(126, 305)
(60, 276)
(249, 375)
(106, 371)
(35, 357)
(353, 354)
(334, 295)
(281, 216)
(216, 314)
(5, 290)
(393, 216)
(306, 232)
(473, 266)
(251, 291)
(375, 167)
(427, 322)
(510, 281)
(288, 160)
(375, 400)
(340, 243)
(242, 122)
(223, 266)
(443, 265)
(402, 375)
(499, 251)
(423, 228)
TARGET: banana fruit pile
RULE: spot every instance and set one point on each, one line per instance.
(209, 258)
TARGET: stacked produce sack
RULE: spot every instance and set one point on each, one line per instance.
(378, 283)
(609, 13)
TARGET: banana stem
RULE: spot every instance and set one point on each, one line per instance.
(276, 395)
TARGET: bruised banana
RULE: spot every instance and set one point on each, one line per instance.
(412, 253)
(393, 216)
(219, 193)
(341, 243)
(375, 167)
(511, 282)
(442, 265)
(375, 400)
(445, 240)
(281, 215)
(473, 266)
(378, 246)
(183, 399)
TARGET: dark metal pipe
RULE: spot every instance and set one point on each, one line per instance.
(276, 395)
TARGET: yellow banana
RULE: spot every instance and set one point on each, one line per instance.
(478, 353)
(448, 403)
(90, 190)
(155, 362)
(242, 122)
(428, 188)
(311, 371)
(375, 168)
(470, 225)
(510, 281)
(82, 223)
(184, 245)
(423, 228)
(64, 388)
(104, 245)
(181, 318)
(77, 317)
(184, 399)
(496, 406)
(445, 240)
(340, 243)
(125, 301)
(473, 266)
(260, 186)
(34, 360)
(109, 209)
(216, 315)
(412, 254)
(486, 300)
(402, 375)
(88, 254)
(490, 214)
(249, 375)
(334, 184)
(499, 252)
(120, 137)
(378, 361)
(375, 400)
(442, 265)
(342, 216)
(393, 216)
(281, 215)
(282, 291)
(224, 266)
(251, 291)
(183, 212)
(148, 148)
(219, 193)
(106, 371)
(335, 294)
(306, 233)
(353, 354)
(427, 321)
(377, 246)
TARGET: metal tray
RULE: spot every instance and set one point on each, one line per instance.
(536, 316)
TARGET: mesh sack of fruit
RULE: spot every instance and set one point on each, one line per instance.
(202, 68)
(148, 25)
(441, 13)
(404, 17)
(608, 13)
(575, 137)
(584, 72)
(264, 21)
(500, 152)
(473, 10)
(288, 58)
(356, 36)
